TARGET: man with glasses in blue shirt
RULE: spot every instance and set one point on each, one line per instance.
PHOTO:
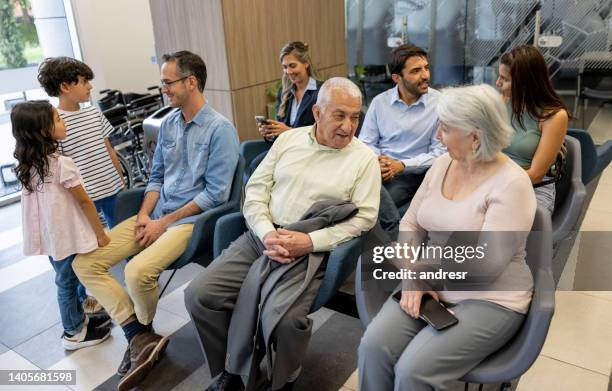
(400, 127)
(193, 166)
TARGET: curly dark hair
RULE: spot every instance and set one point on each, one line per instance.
(32, 124)
(54, 71)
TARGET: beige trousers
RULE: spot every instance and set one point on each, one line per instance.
(141, 272)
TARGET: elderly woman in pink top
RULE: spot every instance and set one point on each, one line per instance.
(59, 219)
(473, 187)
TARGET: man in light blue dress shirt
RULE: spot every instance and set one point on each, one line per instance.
(400, 127)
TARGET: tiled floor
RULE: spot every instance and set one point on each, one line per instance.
(577, 354)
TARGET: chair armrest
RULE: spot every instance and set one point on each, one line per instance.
(203, 234)
(341, 264)
(604, 156)
(565, 219)
(128, 203)
(227, 229)
(369, 296)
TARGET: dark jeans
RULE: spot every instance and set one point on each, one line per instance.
(107, 207)
(393, 195)
(70, 295)
(403, 187)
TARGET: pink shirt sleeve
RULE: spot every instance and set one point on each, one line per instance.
(68, 173)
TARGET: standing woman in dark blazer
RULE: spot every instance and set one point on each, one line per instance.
(298, 93)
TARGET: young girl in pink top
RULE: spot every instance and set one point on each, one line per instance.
(59, 218)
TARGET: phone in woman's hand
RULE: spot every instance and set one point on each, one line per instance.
(261, 120)
(433, 312)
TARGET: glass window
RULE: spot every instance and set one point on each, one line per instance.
(30, 30)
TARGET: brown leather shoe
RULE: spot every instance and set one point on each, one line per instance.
(126, 363)
(145, 350)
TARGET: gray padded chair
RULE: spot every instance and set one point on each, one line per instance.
(517, 356)
(571, 193)
(250, 149)
(595, 158)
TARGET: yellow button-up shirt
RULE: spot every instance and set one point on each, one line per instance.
(298, 171)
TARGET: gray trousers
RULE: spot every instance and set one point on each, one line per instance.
(211, 296)
(398, 352)
(545, 195)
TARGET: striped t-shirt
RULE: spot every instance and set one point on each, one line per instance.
(86, 130)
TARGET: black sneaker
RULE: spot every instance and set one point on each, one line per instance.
(226, 382)
(287, 387)
(99, 320)
(90, 335)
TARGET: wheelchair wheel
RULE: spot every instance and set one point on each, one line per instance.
(126, 170)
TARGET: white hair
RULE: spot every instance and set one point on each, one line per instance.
(477, 108)
(337, 83)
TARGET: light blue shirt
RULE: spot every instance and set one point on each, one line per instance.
(404, 132)
(295, 107)
(193, 161)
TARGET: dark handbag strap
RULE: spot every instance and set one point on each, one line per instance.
(543, 183)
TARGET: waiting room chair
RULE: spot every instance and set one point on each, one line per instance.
(200, 246)
(340, 265)
(595, 159)
(517, 356)
(571, 193)
(600, 88)
(250, 149)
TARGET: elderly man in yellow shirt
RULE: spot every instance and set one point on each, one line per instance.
(305, 167)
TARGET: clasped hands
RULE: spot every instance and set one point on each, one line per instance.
(389, 167)
(148, 230)
(286, 246)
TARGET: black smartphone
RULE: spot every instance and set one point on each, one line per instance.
(433, 312)
(261, 120)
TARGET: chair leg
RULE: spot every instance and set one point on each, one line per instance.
(167, 283)
(480, 387)
(585, 104)
(583, 113)
(466, 387)
(505, 386)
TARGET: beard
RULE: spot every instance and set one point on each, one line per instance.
(413, 88)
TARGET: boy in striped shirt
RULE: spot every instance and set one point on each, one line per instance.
(87, 130)
(86, 142)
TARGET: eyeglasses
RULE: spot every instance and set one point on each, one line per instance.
(166, 83)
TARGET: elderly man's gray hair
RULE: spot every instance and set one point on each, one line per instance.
(477, 108)
(337, 83)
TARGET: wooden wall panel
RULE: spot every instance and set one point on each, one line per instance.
(197, 26)
(251, 101)
(222, 102)
(255, 31)
(240, 41)
(247, 103)
(338, 70)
